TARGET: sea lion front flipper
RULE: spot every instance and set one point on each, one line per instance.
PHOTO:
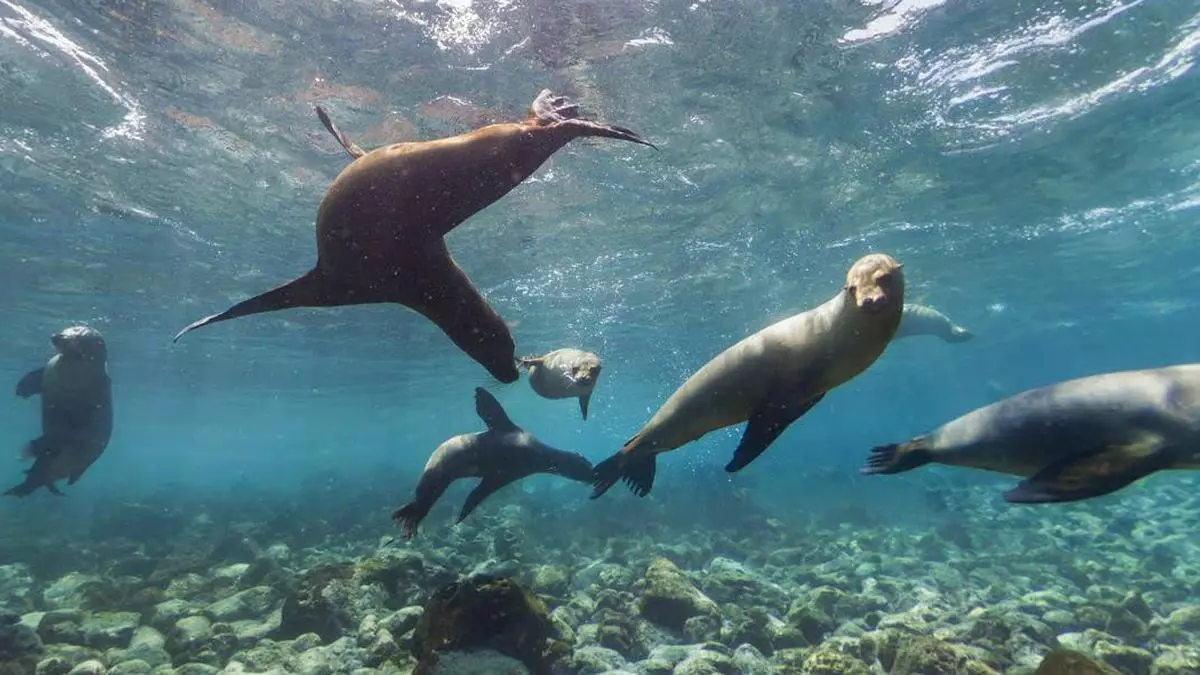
(486, 488)
(54, 489)
(767, 422)
(492, 413)
(311, 290)
(351, 149)
(583, 404)
(31, 383)
(1084, 477)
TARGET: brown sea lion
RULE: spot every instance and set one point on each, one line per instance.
(564, 373)
(381, 223)
(924, 320)
(770, 378)
(503, 454)
(1073, 440)
(77, 410)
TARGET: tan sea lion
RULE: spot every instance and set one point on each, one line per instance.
(1073, 440)
(381, 223)
(770, 378)
(503, 454)
(564, 373)
(77, 411)
(923, 320)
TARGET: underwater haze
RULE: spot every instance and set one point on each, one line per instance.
(1034, 165)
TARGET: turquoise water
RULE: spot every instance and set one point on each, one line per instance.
(1034, 165)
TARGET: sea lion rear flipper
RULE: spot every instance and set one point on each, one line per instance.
(310, 290)
(351, 149)
(767, 422)
(898, 457)
(409, 517)
(1083, 477)
(583, 404)
(492, 413)
(549, 108)
(637, 472)
(486, 488)
(31, 383)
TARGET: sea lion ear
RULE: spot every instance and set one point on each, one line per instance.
(491, 412)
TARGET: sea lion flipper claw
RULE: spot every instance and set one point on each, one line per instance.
(31, 383)
(549, 108)
(1087, 475)
(767, 422)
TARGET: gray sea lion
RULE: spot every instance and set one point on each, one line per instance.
(564, 373)
(381, 224)
(503, 454)
(923, 320)
(77, 413)
(770, 378)
(1073, 440)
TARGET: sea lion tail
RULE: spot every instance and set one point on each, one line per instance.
(408, 517)
(309, 290)
(898, 457)
(636, 470)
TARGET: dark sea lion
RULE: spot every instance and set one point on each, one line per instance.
(77, 413)
(1073, 440)
(381, 223)
(503, 454)
(923, 320)
(772, 377)
(564, 373)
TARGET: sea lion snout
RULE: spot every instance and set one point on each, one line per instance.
(875, 282)
(80, 342)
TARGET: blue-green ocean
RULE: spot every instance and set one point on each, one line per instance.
(1034, 165)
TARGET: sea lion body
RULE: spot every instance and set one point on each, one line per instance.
(772, 377)
(381, 223)
(1074, 440)
(77, 411)
(564, 373)
(503, 454)
(924, 320)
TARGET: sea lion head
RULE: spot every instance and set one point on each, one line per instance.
(494, 349)
(874, 282)
(80, 342)
(585, 372)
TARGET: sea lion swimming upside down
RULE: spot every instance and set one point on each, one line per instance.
(503, 454)
(381, 223)
(770, 378)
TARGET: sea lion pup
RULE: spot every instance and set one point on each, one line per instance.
(770, 378)
(923, 320)
(503, 454)
(77, 414)
(381, 222)
(1073, 440)
(564, 373)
